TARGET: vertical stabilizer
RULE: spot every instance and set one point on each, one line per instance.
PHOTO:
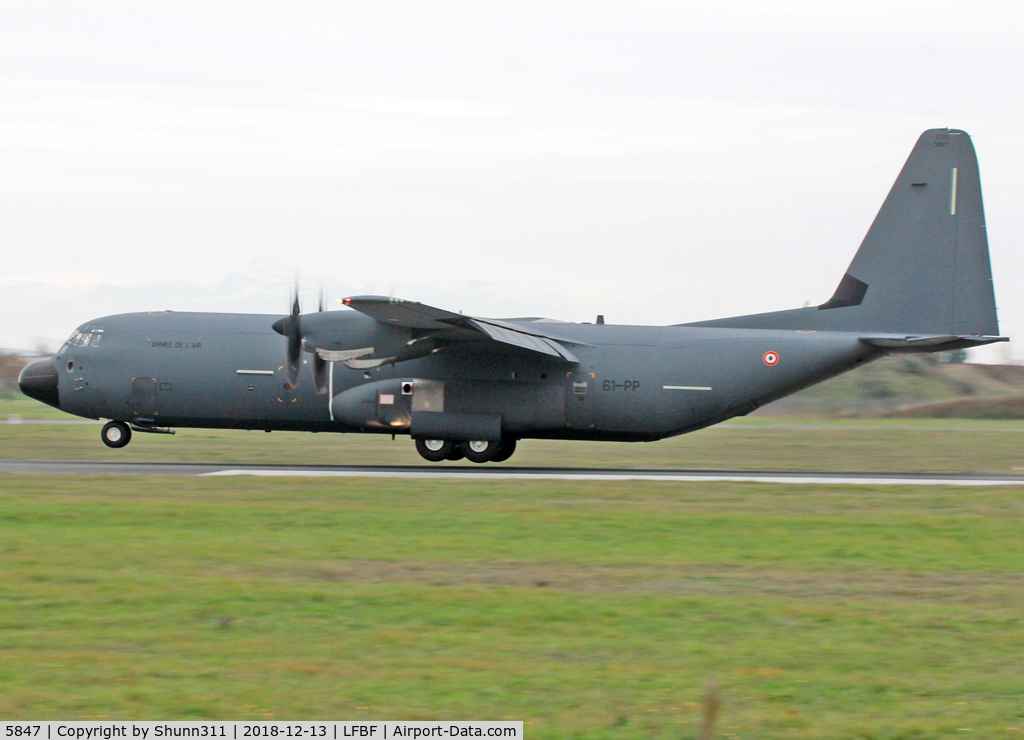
(924, 264)
(923, 267)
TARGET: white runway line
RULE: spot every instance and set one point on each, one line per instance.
(691, 477)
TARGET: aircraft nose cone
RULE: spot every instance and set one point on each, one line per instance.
(38, 380)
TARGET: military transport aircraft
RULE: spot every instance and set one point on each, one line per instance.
(465, 386)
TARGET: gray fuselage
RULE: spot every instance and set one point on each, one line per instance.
(632, 383)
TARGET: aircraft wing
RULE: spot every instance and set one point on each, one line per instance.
(399, 312)
(446, 325)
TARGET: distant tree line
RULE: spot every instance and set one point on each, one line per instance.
(10, 368)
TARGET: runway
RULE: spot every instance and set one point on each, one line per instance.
(424, 472)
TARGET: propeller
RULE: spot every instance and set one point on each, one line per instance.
(293, 332)
(291, 328)
(319, 365)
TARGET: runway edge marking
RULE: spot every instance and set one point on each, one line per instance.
(819, 480)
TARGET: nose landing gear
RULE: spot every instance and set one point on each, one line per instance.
(478, 451)
(116, 434)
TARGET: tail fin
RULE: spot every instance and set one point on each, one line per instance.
(923, 267)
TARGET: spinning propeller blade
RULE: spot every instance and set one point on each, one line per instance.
(319, 365)
(294, 335)
(291, 328)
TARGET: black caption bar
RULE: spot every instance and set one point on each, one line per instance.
(274, 730)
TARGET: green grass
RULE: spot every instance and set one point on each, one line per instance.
(590, 610)
(30, 409)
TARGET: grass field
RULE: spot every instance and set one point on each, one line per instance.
(586, 609)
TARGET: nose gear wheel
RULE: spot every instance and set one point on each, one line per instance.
(115, 434)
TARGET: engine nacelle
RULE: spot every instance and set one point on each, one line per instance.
(456, 410)
(382, 406)
(415, 406)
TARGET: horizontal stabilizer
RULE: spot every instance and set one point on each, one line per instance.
(938, 343)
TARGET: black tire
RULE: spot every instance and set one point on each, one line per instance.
(480, 451)
(456, 453)
(507, 449)
(116, 434)
(434, 450)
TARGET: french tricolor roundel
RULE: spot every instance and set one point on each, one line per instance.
(771, 358)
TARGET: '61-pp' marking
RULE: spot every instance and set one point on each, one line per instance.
(622, 385)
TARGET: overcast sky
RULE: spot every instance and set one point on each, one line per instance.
(657, 162)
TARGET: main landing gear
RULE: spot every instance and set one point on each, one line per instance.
(478, 451)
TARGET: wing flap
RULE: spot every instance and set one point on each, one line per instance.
(455, 326)
(532, 342)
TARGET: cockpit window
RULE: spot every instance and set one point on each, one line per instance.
(86, 336)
